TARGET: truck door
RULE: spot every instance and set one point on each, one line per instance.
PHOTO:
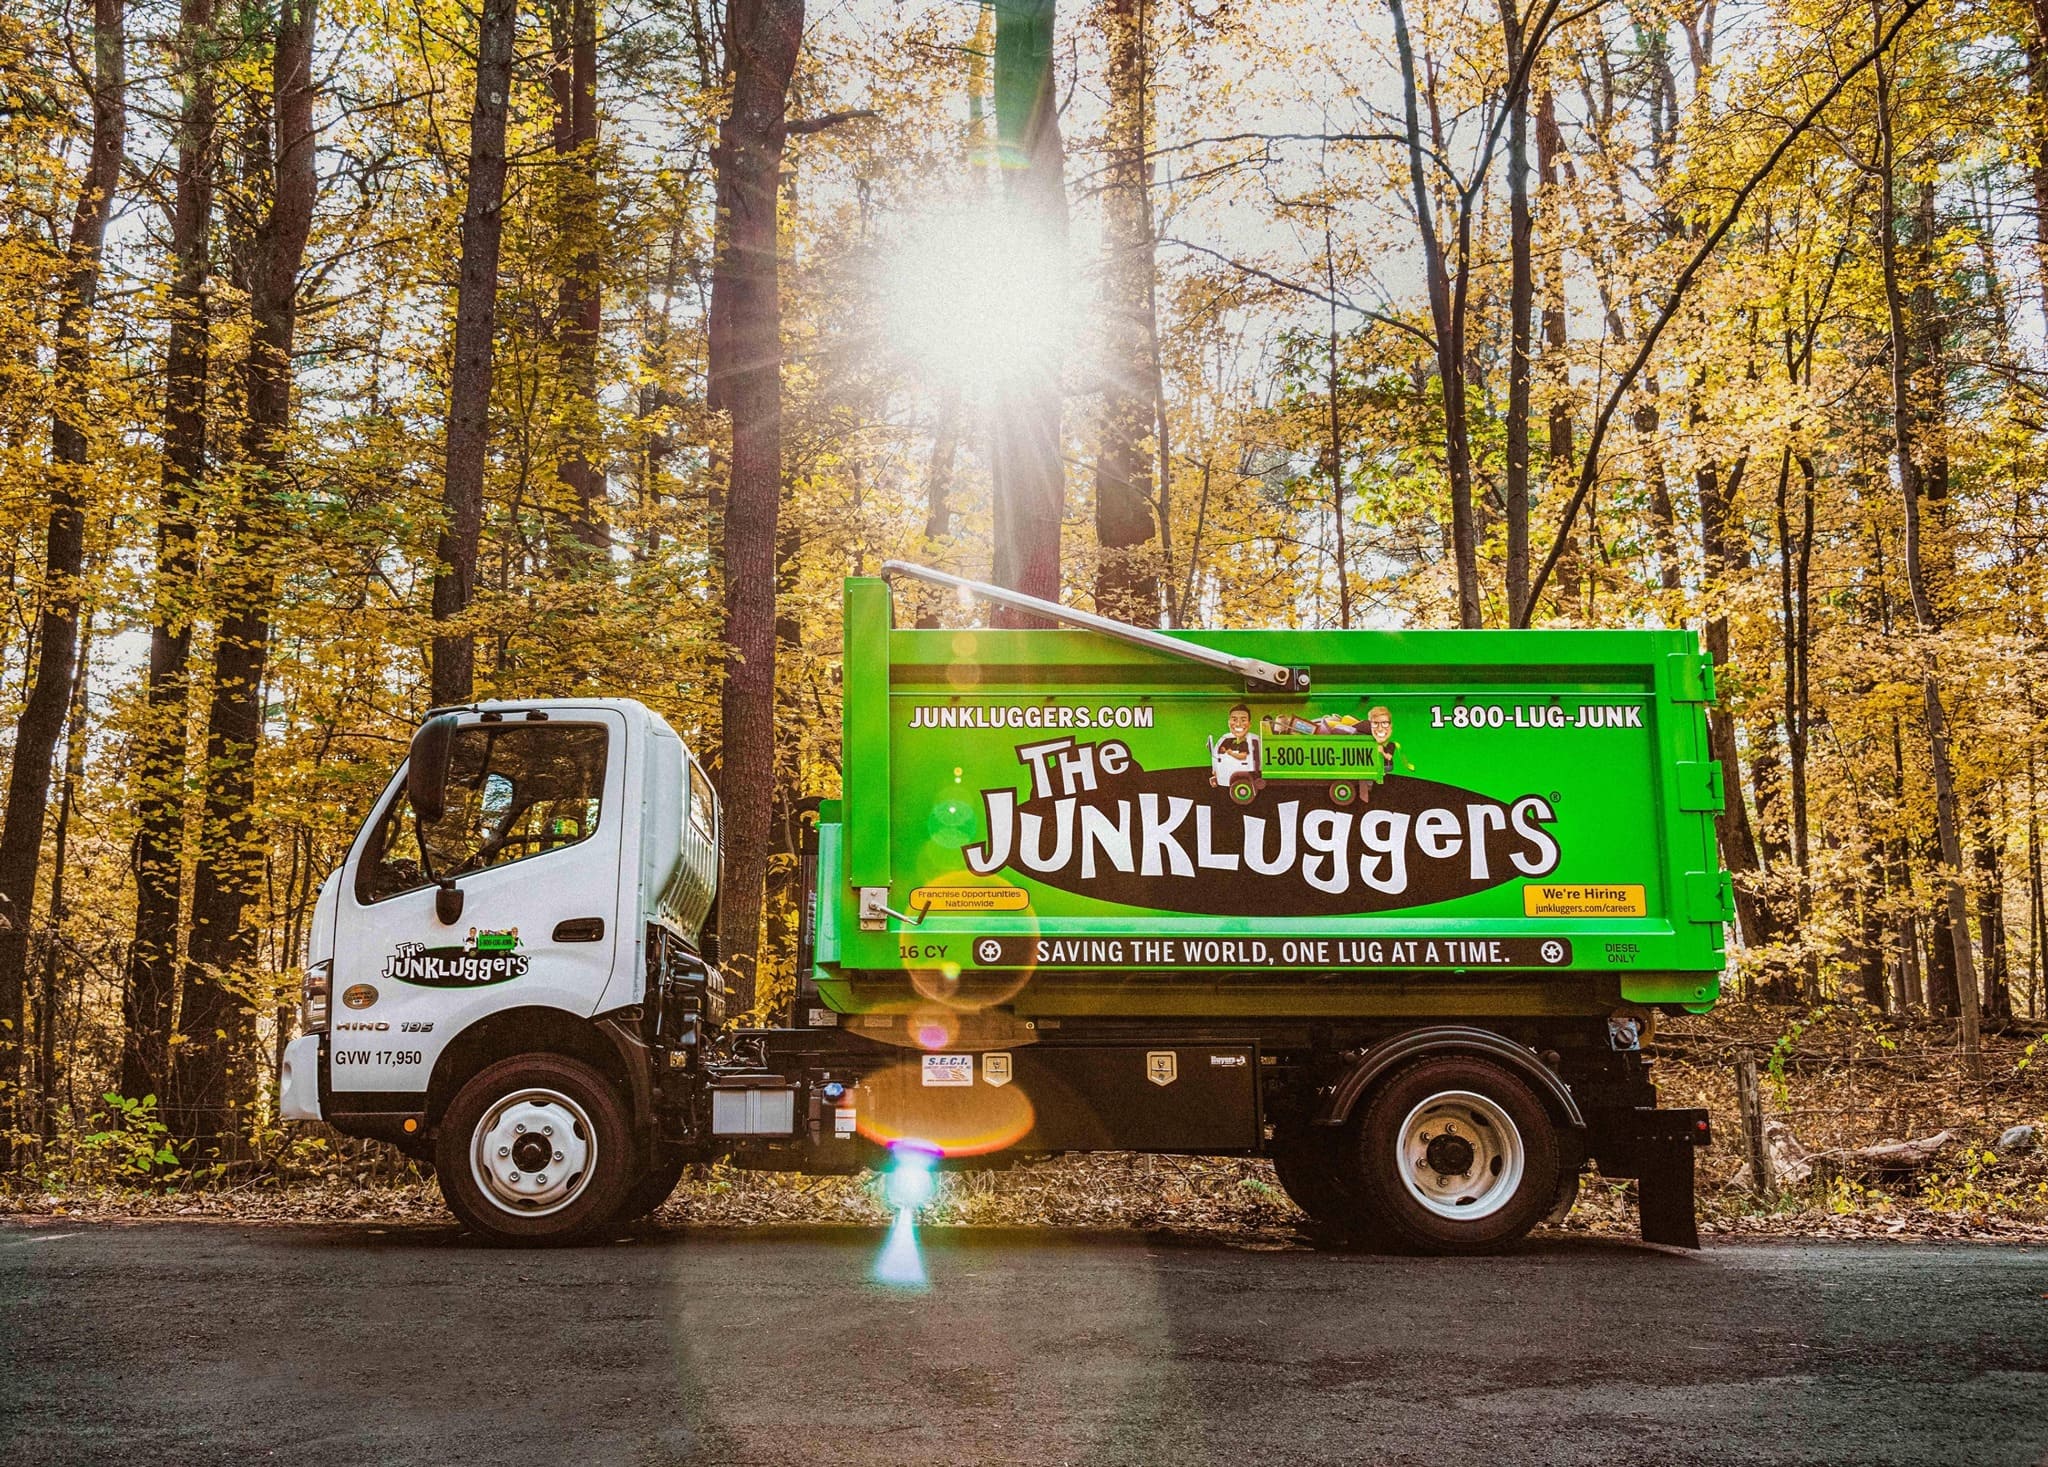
(530, 836)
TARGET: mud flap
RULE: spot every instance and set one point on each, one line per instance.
(1656, 1148)
(1664, 1195)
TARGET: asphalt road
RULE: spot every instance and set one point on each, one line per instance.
(156, 1343)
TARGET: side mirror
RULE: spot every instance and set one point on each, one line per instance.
(426, 772)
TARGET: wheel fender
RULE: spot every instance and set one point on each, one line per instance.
(1390, 1054)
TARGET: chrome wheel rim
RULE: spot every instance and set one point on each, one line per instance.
(533, 1152)
(1460, 1155)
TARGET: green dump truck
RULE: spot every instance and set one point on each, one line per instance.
(1395, 909)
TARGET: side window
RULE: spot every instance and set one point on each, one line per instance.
(515, 790)
(703, 803)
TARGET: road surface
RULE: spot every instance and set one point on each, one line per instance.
(157, 1343)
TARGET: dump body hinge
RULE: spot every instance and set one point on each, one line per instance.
(875, 910)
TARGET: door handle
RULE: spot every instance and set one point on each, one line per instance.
(580, 929)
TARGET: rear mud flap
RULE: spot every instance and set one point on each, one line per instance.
(1665, 1197)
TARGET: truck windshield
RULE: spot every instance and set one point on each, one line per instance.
(514, 791)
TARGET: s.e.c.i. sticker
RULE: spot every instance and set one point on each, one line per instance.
(470, 966)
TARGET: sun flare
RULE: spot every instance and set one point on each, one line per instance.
(978, 300)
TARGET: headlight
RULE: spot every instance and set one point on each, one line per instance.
(313, 996)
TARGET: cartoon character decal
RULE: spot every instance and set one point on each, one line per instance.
(486, 940)
(1379, 722)
(1234, 758)
(484, 957)
(1347, 753)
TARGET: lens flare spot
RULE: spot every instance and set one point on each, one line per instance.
(933, 1029)
(965, 1120)
(940, 984)
(952, 823)
(908, 1182)
(901, 1264)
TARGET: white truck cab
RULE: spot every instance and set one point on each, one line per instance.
(526, 902)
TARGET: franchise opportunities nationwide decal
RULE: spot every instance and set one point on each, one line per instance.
(1240, 840)
(487, 957)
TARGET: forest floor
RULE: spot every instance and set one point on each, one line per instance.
(1833, 1079)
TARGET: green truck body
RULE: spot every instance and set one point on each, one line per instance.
(1442, 823)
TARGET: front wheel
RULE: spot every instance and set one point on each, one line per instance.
(1457, 1155)
(652, 1188)
(537, 1150)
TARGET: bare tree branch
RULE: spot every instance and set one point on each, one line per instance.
(1309, 291)
(1589, 469)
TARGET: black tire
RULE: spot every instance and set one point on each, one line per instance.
(1511, 1155)
(1305, 1160)
(555, 1091)
(652, 1188)
(1317, 1169)
(1567, 1195)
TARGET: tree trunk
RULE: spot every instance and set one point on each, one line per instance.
(1942, 995)
(938, 488)
(1551, 162)
(49, 694)
(1794, 627)
(1446, 312)
(1029, 471)
(1996, 1005)
(1908, 470)
(54, 951)
(1126, 535)
(1871, 969)
(469, 380)
(1648, 422)
(1913, 986)
(2037, 78)
(579, 304)
(763, 37)
(2037, 904)
(1333, 388)
(216, 1019)
(152, 977)
(1521, 302)
(1738, 839)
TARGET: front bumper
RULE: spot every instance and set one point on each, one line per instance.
(298, 1086)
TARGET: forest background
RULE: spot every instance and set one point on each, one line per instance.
(363, 355)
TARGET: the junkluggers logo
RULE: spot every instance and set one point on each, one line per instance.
(1094, 822)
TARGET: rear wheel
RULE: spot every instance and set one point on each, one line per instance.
(1456, 1155)
(1343, 792)
(1305, 1160)
(1318, 1169)
(1567, 1195)
(535, 1149)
